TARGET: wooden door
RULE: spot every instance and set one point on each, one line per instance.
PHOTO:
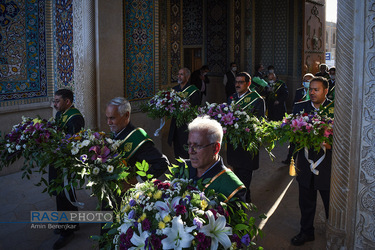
(313, 36)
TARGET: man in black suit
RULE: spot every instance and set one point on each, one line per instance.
(276, 98)
(71, 121)
(200, 79)
(179, 135)
(302, 94)
(242, 161)
(229, 79)
(137, 146)
(310, 180)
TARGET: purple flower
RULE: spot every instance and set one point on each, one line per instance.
(180, 209)
(246, 239)
(155, 241)
(228, 119)
(197, 222)
(132, 203)
(131, 215)
(146, 224)
(236, 239)
(102, 153)
(83, 158)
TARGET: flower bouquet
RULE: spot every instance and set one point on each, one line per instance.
(240, 128)
(170, 104)
(28, 139)
(175, 215)
(97, 159)
(306, 130)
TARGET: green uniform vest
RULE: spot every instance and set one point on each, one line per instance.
(225, 182)
(328, 110)
(190, 90)
(133, 142)
(63, 119)
(247, 99)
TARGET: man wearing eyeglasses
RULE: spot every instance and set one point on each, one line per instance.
(242, 161)
(71, 121)
(203, 146)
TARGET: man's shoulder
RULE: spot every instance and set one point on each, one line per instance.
(299, 106)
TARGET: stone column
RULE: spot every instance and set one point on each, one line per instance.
(84, 60)
(352, 208)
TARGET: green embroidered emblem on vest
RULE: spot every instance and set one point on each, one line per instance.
(133, 142)
(66, 116)
(328, 110)
(248, 99)
(190, 90)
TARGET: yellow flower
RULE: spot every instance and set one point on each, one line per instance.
(137, 195)
(167, 218)
(37, 120)
(142, 217)
(158, 195)
(204, 204)
(161, 225)
(149, 194)
(186, 193)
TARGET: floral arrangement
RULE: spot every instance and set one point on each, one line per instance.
(28, 139)
(175, 215)
(306, 130)
(240, 128)
(97, 159)
(170, 104)
(91, 154)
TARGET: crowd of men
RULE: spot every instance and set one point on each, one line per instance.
(199, 142)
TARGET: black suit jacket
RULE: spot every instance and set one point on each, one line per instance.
(276, 112)
(304, 175)
(157, 161)
(230, 88)
(300, 93)
(197, 81)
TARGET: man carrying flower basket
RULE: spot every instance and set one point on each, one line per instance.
(71, 121)
(137, 146)
(205, 163)
(242, 161)
(313, 168)
(178, 134)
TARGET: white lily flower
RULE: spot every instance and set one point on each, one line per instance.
(236, 126)
(139, 240)
(178, 236)
(165, 208)
(217, 231)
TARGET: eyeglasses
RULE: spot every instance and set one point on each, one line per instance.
(196, 148)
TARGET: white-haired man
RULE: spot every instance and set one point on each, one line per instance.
(138, 146)
(203, 146)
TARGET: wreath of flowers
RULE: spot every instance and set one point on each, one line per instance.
(240, 128)
(170, 104)
(306, 130)
(174, 214)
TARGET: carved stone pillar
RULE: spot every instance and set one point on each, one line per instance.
(352, 207)
(84, 60)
